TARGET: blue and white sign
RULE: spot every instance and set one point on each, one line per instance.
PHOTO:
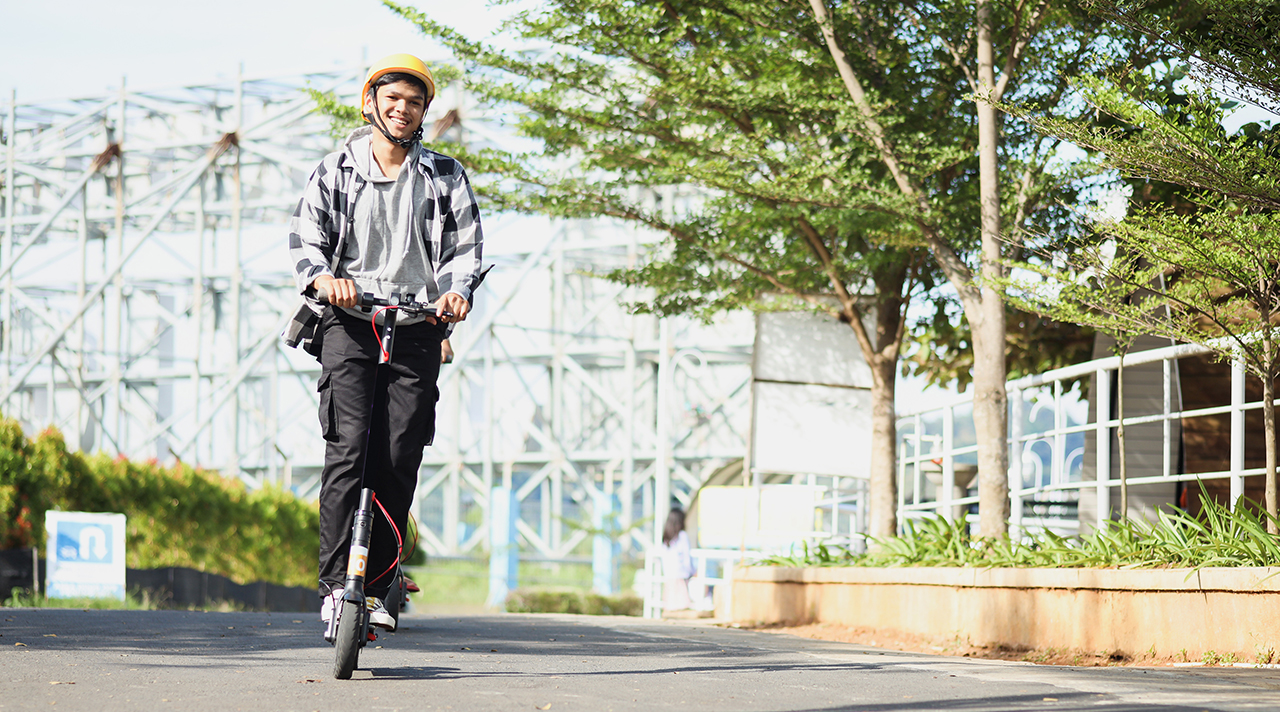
(85, 555)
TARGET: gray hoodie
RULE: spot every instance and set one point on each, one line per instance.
(386, 253)
(445, 218)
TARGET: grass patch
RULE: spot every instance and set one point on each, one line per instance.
(137, 600)
(464, 583)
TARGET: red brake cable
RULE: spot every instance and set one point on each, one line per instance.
(399, 541)
(374, 323)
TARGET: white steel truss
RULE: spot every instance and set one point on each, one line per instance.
(144, 279)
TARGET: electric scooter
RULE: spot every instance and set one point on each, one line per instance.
(349, 629)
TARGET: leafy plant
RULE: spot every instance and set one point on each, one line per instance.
(1200, 269)
(1216, 536)
(819, 555)
(177, 516)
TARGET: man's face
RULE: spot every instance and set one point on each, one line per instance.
(401, 105)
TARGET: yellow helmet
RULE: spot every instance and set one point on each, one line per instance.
(406, 63)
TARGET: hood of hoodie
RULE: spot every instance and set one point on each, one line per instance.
(359, 148)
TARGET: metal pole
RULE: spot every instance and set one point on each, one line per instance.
(504, 553)
(661, 466)
(52, 388)
(1102, 468)
(902, 484)
(1058, 473)
(629, 417)
(81, 286)
(237, 275)
(1015, 463)
(453, 483)
(10, 208)
(544, 509)
(489, 415)
(557, 506)
(917, 483)
(1166, 421)
(273, 404)
(197, 311)
(948, 464)
(117, 293)
(558, 326)
(1237, 430)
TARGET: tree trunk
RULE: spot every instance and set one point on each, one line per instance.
(884, 442)
(982, 303)
(880, 349)
(990, 400)
(991, 420)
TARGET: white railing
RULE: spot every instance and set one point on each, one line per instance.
(655, 578)
(932, 442)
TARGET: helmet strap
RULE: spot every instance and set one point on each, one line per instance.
(376, 120)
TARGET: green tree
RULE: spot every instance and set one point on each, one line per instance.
(837, 153)
(1025, 51)
(643, 95)
(1202, 269)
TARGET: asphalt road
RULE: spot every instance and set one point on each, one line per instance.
(155, 660)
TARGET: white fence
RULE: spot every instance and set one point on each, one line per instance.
(938, 452)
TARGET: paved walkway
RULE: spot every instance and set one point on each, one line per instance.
(129, 660)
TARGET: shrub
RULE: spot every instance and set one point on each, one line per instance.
(177, 516)
(524, 600)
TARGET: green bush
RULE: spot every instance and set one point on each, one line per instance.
(177, 516)
(523, 600)
(594, 604)
(1216, 536)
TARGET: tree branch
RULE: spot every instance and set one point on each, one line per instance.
(1019, 47)
(956, 270)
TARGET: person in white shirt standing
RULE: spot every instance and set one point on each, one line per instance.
(677, 563)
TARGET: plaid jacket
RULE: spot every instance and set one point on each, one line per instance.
(322, 222)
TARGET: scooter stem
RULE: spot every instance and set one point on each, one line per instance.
(358, 559)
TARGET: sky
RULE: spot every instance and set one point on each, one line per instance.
(78, 48)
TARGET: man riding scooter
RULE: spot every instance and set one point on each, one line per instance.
(383, 215)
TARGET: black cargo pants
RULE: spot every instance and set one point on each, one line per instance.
(349, 357)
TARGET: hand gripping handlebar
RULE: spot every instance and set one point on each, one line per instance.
(368, 301)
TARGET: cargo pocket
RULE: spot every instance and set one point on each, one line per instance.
(328, 416)
(431, 417)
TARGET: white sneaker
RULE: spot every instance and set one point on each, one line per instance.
(329, 604)
(378, 613)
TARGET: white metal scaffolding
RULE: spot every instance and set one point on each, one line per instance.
(144, 279)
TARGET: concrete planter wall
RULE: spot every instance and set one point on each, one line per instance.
(1233, 610)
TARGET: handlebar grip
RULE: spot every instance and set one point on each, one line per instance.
(366, 299)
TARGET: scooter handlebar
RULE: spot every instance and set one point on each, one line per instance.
(368, 301)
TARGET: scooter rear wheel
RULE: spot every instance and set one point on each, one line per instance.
(347, 646)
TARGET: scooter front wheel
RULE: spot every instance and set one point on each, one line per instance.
(347, 645)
